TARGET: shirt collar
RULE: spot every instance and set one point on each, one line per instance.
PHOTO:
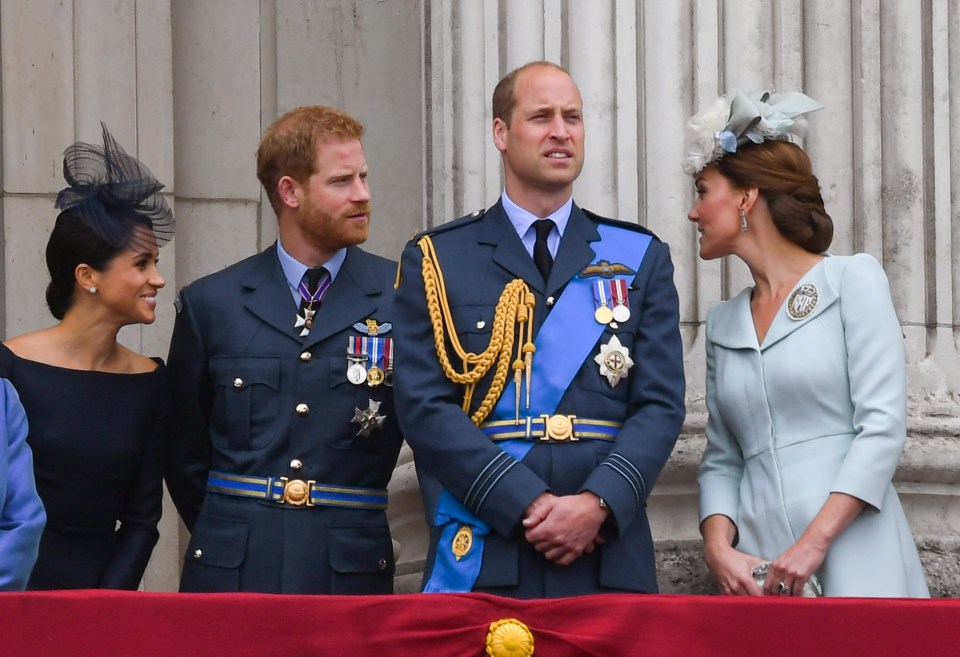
(293, 269)
(522, 220)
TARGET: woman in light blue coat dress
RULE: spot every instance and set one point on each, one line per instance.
(806, 381)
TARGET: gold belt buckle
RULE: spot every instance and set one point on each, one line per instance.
(558, 427)
(296, 492)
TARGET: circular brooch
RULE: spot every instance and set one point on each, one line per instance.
(509, 638)
(802, 301)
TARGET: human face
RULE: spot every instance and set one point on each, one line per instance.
(716, 213)
(128, 286)
(543, 145)
(335, 204)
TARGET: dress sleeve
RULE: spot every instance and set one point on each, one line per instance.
(142, 507)
(721, 469)
(21, 513)
(878, 381)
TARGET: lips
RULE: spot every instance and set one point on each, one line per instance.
(559, 154)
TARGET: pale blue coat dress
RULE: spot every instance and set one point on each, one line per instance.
(818, 407)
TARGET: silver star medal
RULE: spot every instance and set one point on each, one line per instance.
(306, 321)
(368, 418)
(614, 361)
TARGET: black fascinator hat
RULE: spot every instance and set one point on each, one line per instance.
(112, 193)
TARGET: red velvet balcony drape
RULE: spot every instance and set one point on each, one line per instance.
(112, 624)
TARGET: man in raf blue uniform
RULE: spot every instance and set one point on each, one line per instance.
(285, 434)
(539, 371)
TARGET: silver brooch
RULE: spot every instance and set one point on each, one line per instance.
(614, 361)
(802, 301)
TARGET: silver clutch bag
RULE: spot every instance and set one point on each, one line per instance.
(811, 589)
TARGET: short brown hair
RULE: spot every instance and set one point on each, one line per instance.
(289, 146)
(503, 96)
(782, 171)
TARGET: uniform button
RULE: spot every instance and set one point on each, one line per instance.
(481, 324)
(550, 301)
(296, 464)
(238, 383)
(305, 356)
(197, 554)
(302, 409)
(383, 564)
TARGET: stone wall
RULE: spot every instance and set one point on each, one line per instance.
(189, 85)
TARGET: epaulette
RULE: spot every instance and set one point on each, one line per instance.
(449, 225)
(629, 225)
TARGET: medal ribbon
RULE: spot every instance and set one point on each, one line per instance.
(564, 341)
(376, 351)
(601, 294)
(620, 297)
(316, 296)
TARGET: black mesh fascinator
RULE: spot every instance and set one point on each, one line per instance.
(113, 193)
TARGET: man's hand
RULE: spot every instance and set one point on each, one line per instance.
(564, 528)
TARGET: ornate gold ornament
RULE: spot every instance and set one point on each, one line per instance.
(509, 638)
(462, 542)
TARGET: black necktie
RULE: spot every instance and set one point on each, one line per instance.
(541, 252)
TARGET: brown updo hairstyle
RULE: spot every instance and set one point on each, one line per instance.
(782, 172)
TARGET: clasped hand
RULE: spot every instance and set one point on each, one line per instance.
(564, 528)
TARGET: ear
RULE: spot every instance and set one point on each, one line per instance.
(500, 134)
(86, 276)
(750, 196)
(289, 191)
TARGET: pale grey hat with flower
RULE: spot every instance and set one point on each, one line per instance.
(746, 117)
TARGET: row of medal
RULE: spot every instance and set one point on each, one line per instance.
(611, 301)
(369, 360)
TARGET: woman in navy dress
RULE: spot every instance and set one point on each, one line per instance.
(97, 410)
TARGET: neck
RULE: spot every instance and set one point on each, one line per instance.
(777, 266)
(85, 341)
(539, 202)
(302, 251)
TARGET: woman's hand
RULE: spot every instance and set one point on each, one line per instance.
(732, 570)
(804, 557)
(794, 567)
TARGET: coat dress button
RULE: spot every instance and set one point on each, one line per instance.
(306, 356)
(197, 554)
(302, 409)
(382, 565)
(238, 383)
(296, 464)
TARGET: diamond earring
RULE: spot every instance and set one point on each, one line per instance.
(93, 290)
(743, 221)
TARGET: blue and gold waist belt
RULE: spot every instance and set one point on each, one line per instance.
(296, 492)
(551, 429)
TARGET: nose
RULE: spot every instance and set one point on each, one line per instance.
(157, 279)
(361, 191)
(558, 128)
(692, 215)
